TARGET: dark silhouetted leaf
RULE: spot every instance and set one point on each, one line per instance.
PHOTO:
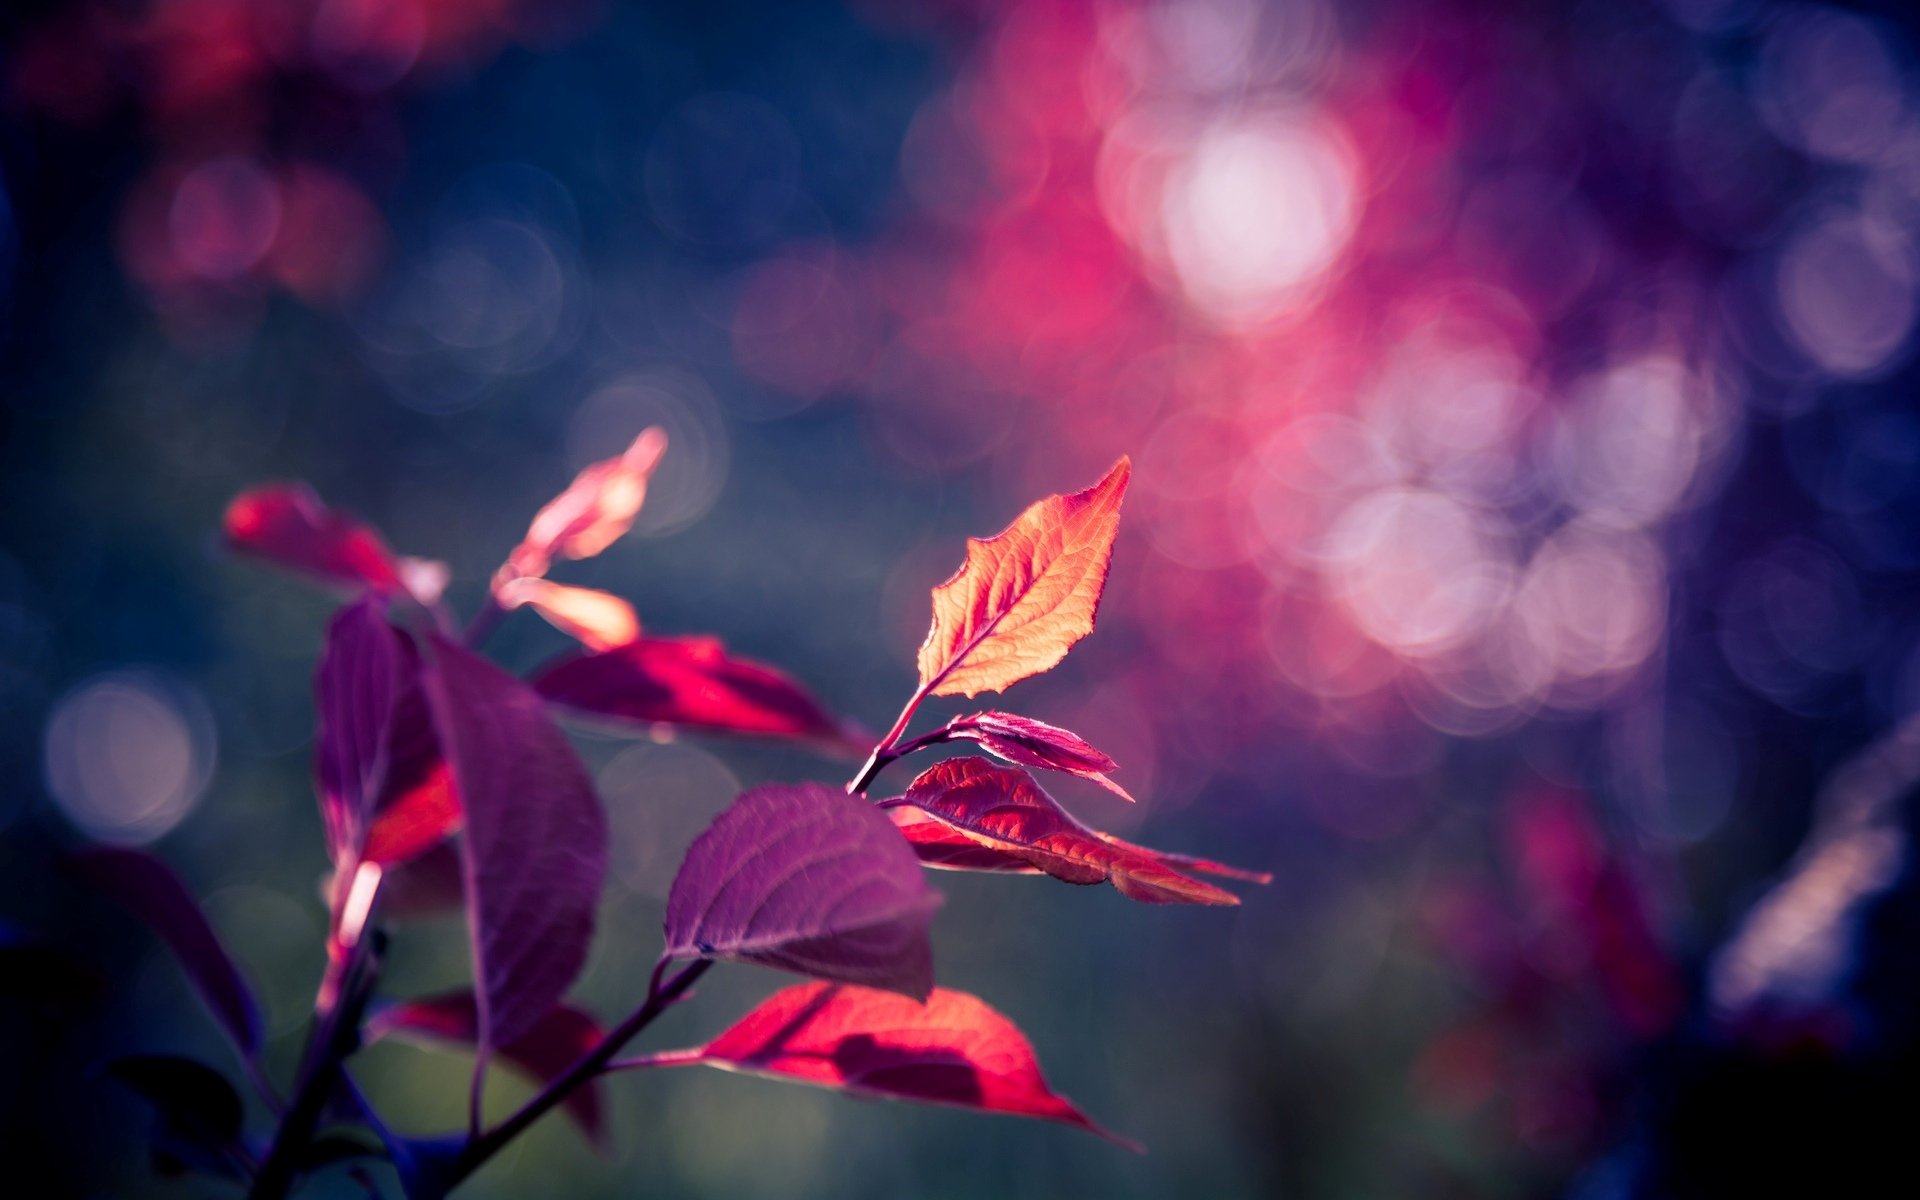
(1025, 595)
(1032, 743)
(543, 1053)
(1004, 811)
(597, 508)
(148, 888)
(46, 978)
(599, 620)
(200, 1113)
(424, 886)
(289, 526)
(953, 1049)
(691, 683)
(534, 853)
(802, 877)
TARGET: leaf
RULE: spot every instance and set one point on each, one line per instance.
(543, 1053)
(385, 789)
(200, 1113)
(1025, 595)
(148, 888)
(600, 620)
(804, 878)
(288, 525)
(592, 513)
(691, 683)
(1032, 743)
(952, 1050)
(1002, 809)
(534, 854)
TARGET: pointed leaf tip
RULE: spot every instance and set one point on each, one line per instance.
(1024, 596)
(804, 878)
(594, 511)
(953, 1050)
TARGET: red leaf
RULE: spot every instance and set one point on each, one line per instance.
(1003, 809)
(951, 1050)
(286, 524)
(1032, 743)
(939, 844)
(804, 878)
(693, 683)
(534, 854)
(600, 620)
(1025, 595)
(595, 510)
(543, 1053)
(148, 888)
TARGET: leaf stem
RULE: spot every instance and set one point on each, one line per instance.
(884, 752)
(660, 997)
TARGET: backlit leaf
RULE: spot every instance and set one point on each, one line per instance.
(289, 526)
(534, 853)
(600, 620)
(1025, 595)
(691, 683)
(1032, 743)
(1003, 810)
(592, 513)
(543, 1053)
(805, 878)
(148, 888)
(952, 1050)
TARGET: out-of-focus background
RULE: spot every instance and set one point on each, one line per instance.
(1523, 559)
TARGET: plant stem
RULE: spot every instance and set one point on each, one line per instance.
(660, 997)
(483, 622)
(336, 1035)
(884, 753)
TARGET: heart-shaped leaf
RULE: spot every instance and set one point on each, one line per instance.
(1025, 595)
(288, 525)
(805, 878)
(592, 513)
(557, 1041)
(691, 683)
(1004, 811)
(148, 888)
(385, 790)
(534, 854)
(1032, 743)
(200, 1113)
(952, 1050)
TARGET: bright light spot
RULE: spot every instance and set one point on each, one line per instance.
(1846, 294)
(1593, 603)
(1829, 84)
(128, 755)
(1261, 208)
(1419, 571)
(223, 217)
(1628, 445)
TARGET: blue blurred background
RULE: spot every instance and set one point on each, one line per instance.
(1522, 560)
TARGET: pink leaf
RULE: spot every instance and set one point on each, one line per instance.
(287, 525)
(557, 1041)
(1032, 743)
(595, 510)
(600, 620)
(148, 888)
(804, 878)
(952, 1050)
(1003, 810)
(691, 683)
(535, 850)
(1025, 595)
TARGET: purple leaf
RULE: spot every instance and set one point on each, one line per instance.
(544, 1053)
(148, 888)
(1031, 743)
(807, 879)
(535, 851)
(694, 683)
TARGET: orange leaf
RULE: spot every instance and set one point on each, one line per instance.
(1025, 595)
(595, 510)
(600, 620)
